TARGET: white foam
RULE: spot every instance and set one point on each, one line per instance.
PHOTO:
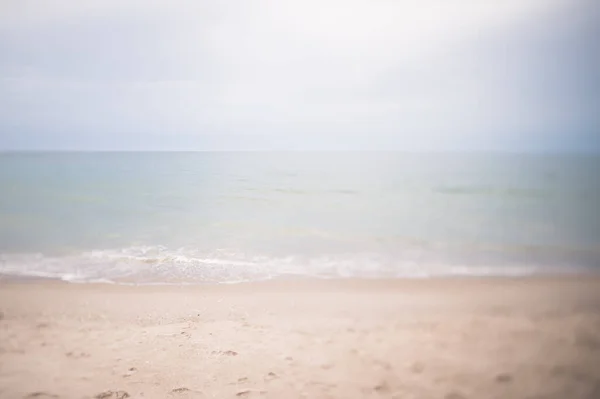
(161, 265)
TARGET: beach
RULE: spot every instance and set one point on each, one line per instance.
(299, 199)
(458, 338)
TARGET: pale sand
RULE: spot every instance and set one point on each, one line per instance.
(449, 339)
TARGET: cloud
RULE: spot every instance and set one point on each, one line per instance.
(299, 74)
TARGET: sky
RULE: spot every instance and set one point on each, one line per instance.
(427, 75)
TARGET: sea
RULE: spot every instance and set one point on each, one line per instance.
(230, 217)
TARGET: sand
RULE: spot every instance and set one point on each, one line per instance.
(449, 339)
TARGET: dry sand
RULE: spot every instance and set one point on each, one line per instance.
(448, 339)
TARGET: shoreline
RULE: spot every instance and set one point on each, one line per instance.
(293, 279)
(457, 338)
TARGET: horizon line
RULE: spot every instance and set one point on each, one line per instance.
(406, 151)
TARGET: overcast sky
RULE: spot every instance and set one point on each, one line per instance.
(300, 74)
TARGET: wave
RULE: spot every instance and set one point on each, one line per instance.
(161, 265)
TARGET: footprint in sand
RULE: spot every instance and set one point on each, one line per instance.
(383, 387)
(186, 392)
(248, 392)
(225, 353)
(503, 378)
(130, 372)
(417, 368)
(112, 395)
(77, 355)
(271, 376)
(455, 395)
(41, 395)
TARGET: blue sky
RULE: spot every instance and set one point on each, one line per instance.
(280, 74)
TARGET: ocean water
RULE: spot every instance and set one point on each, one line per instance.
(219, 217)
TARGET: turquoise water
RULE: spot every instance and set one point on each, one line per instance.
(228, 217)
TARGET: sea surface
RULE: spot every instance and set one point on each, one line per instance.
(225, 217)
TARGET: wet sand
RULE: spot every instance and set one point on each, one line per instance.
(449, 339)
